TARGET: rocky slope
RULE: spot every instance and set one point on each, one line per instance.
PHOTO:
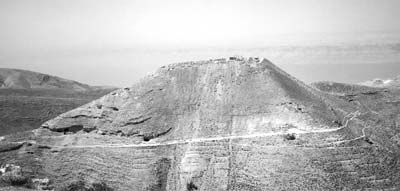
(28, 99)
(221, 96)
(225, 124)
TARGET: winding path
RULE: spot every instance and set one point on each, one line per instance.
(348, 118)
(351, 116)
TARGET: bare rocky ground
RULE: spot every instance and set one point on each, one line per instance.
(384, 83)
(235, 124)
(28, 99)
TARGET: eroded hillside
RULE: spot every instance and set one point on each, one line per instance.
(28, 99)
(225, 124)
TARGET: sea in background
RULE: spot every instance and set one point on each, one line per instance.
(122, 67)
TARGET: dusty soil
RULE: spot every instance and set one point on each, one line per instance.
(236, 124)
(28, 99)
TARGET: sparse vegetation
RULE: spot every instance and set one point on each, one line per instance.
(74, 186)
(290, 137)
(368, 140)
(81, 185)
(16, 180)
(100, 187)
(191, 186)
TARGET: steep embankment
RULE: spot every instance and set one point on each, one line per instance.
(380, 107)
(236, 124)
(222, 97)
(28, 98)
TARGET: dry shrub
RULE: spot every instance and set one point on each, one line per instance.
(12, 179)
(80, 185)
(100, 186)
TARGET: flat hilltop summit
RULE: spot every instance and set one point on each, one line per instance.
(220, 124)
(217, 60)
(221, 91)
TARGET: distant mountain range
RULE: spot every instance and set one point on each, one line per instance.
(23, 79)
(29, 98)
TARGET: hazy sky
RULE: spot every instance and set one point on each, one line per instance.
(64, 37)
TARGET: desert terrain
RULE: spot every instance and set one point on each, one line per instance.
(28, 99)
(221, 124)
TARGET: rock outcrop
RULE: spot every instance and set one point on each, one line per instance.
(235, 124)
(388, 83)
(203, 99)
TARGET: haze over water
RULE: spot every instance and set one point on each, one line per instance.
(104, 43)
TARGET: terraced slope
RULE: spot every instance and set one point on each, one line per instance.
(204, 99)
(237, 124)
